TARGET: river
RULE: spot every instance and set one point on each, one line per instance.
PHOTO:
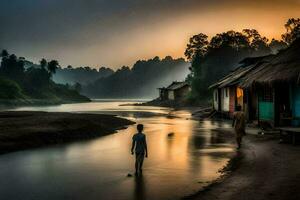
(177, 165)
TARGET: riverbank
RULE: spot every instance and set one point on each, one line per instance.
(28, 129)
(41, 102)
(263, 169)
(171, 104)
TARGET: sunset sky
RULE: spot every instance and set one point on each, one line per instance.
(113, 33)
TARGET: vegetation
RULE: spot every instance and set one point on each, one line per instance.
(141, 81)
(210, 58)
(22, 83)
(214, 58)
(82, 75)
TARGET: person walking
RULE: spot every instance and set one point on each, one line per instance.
(139, 147)
(239, 124)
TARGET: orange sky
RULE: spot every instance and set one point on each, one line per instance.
(115, 34)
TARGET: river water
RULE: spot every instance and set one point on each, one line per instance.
(178, 165)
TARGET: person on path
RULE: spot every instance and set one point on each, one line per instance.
(139, 147)
(239, 124)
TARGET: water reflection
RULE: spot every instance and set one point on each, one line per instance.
(182, 152)
(139, 188)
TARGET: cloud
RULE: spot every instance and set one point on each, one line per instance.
(81, 32)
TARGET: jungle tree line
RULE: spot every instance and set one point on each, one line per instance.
(32, 78)
(20, 79)
(82, 75)
(213, 58)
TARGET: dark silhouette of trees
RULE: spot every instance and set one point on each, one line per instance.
(4, 53)
(222, 53)
(197, 45)
(142, 80)
(82, 75)
(78, 87)
(52, 66)
(43, 63)
(292, 30)
(257, 42)
(32, 82)
(232, 39)
(12, 67)
(277, 45)
(214, 59)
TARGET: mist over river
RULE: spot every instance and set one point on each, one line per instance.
(177, 165)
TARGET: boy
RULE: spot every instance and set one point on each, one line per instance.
(139, 144)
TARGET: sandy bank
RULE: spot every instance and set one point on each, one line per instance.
(265, 170)
(22, 130)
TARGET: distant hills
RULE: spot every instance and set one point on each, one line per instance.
(140, 81)
(27, 81)
(82, 75)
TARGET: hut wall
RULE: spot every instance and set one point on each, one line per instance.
(266, 110)
(182, 93)
(225, 99)
(232, 100)
(266, 104)
(295, 105)
(215, 100)
(171, 95)
(163, 94)
(253, 107)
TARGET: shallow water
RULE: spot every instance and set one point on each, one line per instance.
(97, 169)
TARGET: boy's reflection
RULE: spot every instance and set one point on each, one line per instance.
(139, 189)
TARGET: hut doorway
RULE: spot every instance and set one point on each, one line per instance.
(282, 108)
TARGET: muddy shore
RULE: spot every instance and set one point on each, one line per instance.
(262, 169)
(24, 130)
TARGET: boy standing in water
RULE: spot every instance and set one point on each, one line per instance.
(239, 124)
(139, 147)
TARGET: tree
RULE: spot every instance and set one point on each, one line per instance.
(219, 56)
(87, 68)
(139, 81)
(52, 66)
(276, 45)
(197, 45)
(257, 42)
(231, 39)
(43, 63)
(292, 30)
(4, 53)
(77, 87)
(12, 67)
(196, 76)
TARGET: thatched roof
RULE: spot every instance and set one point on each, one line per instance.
(232, 78)
(246, 65)
(175, 86)
(282, 67)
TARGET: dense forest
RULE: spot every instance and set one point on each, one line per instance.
(140, 81)
(82, 75)
(21, 82)
(209, 60)
(214, 58)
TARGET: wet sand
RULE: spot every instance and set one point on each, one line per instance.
(27, 129)
(262, 170)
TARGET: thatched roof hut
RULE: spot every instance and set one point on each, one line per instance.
(282, 67)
